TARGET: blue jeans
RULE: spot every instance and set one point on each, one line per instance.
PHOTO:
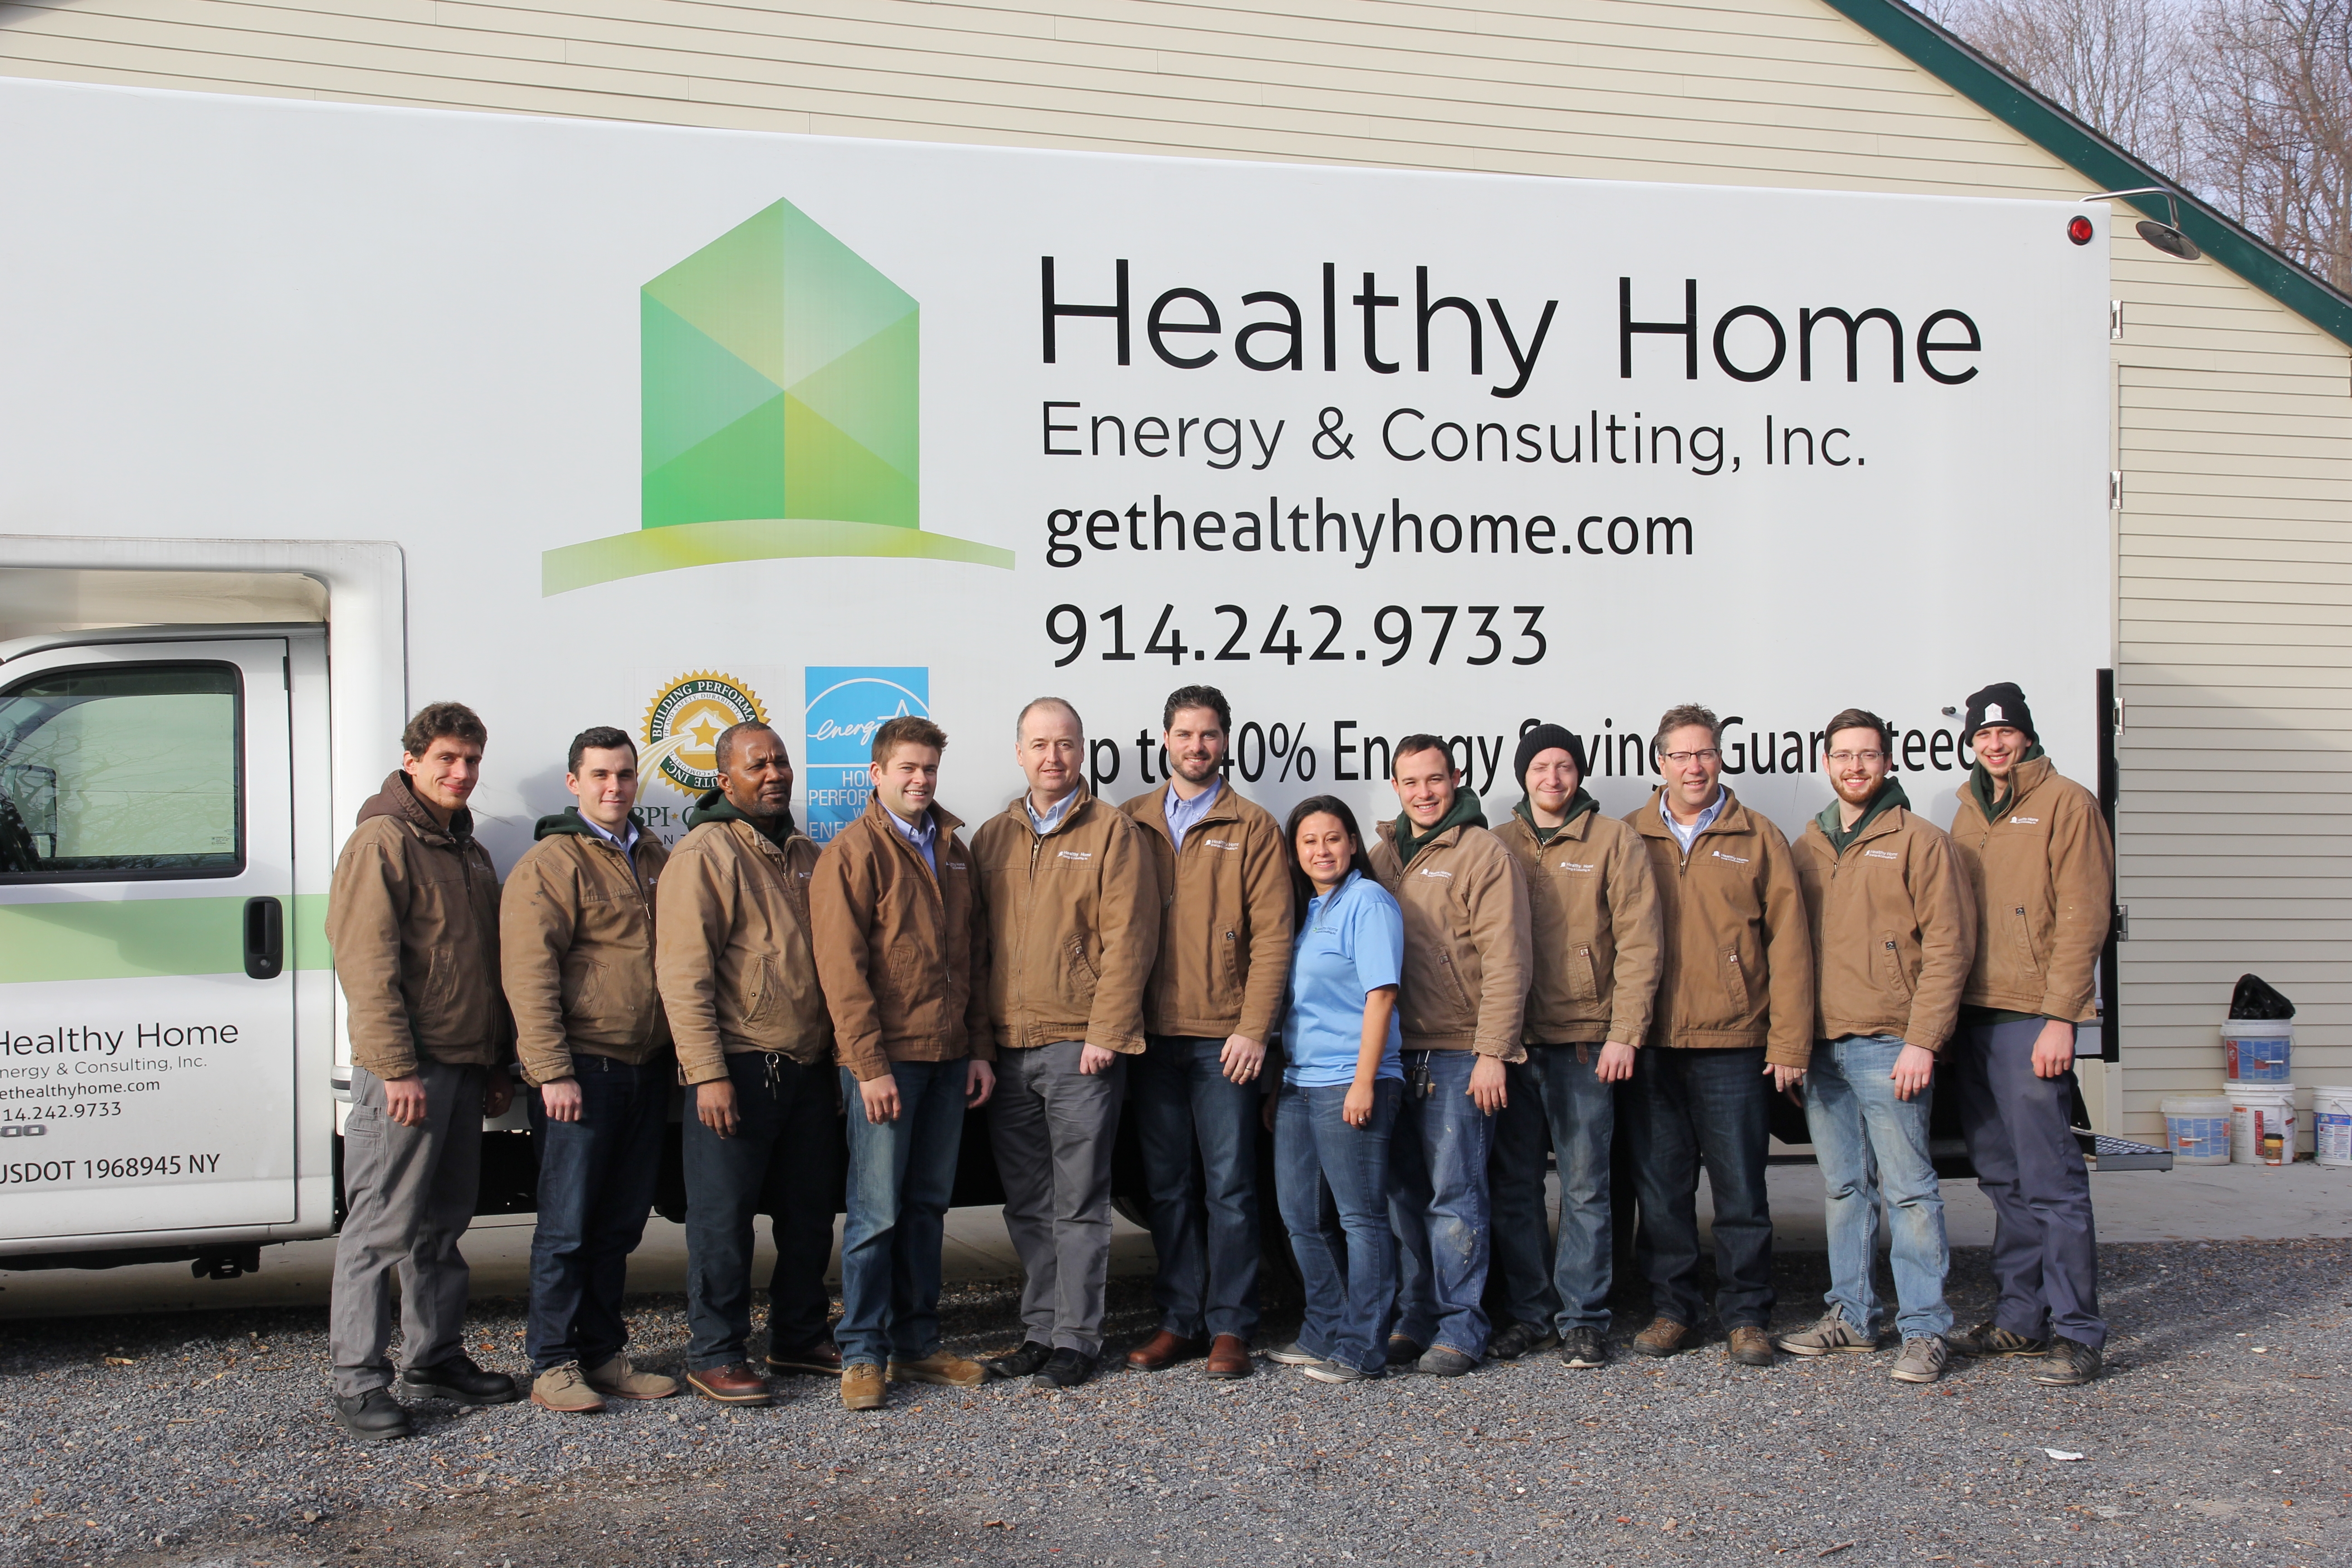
(784, 1161)
(1331, 1187)
(1199, 1133)
(595, 1187)
(1870, 1144)
(1711, 1110)
(901, 1174)
(1555, 1099)
(1437, 1202)
(2045, 1246)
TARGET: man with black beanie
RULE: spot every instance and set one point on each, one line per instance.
(2042, 867)
(1593, 912)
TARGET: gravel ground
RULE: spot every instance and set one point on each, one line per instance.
(2220, 1435)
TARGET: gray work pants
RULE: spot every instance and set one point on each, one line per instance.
(1053, 1127)
(409, 1195)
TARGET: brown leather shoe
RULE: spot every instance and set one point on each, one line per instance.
(1163, 1349)
(734, 1384)
(1663, 1337)
(1750, 1346)
(1229, 1358)
(861, 1386)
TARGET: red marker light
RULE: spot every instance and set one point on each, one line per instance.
(2078, 229)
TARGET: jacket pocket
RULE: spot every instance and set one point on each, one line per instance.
(1455, 988)
(1583, 974)
(1229, 962)
(586, 989)
(1891, 974)
(1734, 983)
(1079, 977)
(760, 991)
(2021, 934)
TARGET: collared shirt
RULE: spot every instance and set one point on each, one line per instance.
(626, 844)
(1686, 836)
(1183, 813)
(925, 838)
(1051, 817)
(1351, 944)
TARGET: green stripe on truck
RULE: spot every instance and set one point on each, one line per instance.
(129, 939)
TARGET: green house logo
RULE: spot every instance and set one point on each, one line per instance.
(782, 412)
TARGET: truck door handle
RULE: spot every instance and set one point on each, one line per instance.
(265, 939)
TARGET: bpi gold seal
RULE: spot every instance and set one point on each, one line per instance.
(682, 728)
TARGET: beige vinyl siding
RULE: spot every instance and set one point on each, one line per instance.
(2234, 551)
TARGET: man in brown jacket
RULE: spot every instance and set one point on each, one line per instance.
(1467, 948)
(2043, 869)
(1073, 925)
(1733, 1022)
(413, 917)
(1893, 935)
(738, 972)
(1224, 877)
(902, 950)
(576, 944)
(1593, 908)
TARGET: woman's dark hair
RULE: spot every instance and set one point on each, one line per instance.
(1301, 888)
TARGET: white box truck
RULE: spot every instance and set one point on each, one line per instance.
(309, 414)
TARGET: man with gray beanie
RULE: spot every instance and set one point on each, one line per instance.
(1593, 906)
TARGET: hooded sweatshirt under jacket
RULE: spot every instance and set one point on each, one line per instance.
(1892, 927)
(1594, 928)
(2043, 870)
(1468, 940)
(576, 946)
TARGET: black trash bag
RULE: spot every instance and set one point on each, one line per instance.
(2256, 998)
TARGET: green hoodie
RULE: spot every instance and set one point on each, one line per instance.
(1981, 781)
(569, 820)
(1890, 795)
(1466, 809)
(715, 806)
(1578, 804)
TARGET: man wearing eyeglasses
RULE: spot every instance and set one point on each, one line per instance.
(1892, 936)
(1733, 1022)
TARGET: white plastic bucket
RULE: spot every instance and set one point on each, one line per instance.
(2331, 1125)
(2197, 1129)
(2261, 1123)
(2258, 1050)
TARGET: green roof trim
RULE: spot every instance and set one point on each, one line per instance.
(1964, 71)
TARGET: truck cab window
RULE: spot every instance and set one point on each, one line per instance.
(121, 772)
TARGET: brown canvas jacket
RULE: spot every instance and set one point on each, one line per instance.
(576, 948)
(903, 955)
(1593, 906)
(1893, 930)
(2044, 876)
(413, 917)
(1739, 969)
(1073, 925)
(1224, 919)
(735, 953)
(1468, 942)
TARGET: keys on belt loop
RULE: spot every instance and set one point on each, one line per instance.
(1416, 1076)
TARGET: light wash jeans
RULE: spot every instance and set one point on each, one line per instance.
(1871, 1144)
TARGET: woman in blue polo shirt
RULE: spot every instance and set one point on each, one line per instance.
(1341, 1083)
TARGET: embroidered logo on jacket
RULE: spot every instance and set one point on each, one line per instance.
(1078, 854)
(1572, 866)
(1440, 876)
(1221, 843)
(1733, 859)
(2026, 821)
(1882, 854)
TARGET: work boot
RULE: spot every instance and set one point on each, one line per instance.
(2070, 1362)
(734, 1384)
(565, 1391)
(619, 1380)
(1989, 1338)
(1664, 1337)
(1830, 1333)
(1521, 1338)
(822, 1359)
(940, 1367)
(459, 1379)
(1229, 1359)
(375, 1416)
(861, 1387)
(1923, 1360)
(1750, 1346)
(1163, 1350)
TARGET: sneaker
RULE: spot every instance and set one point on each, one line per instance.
(1403, 1351)
(822, 1359)
(616, 1378)
(1336, 1372)
(861, 1386)
(1830, 1333)
(1027, 1360)
(1066, 1368)
(563, 1390)
(1989, 1338)
(942, 1368)
(375, 1416)
(1749, 1345)
(1923, 1360)
(1292, 1355)
(1444, 1360)
(459, 1379)
(1584, 1347)
(2068, 1362)
(1663, 1337)
(1520, 1339)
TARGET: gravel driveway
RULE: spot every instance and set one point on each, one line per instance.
(2221, 1434)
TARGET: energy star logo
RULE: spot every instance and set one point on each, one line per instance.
(845, 705)
(780, 412)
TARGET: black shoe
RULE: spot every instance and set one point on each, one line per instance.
(1403, 1353)
(1065, 1369)
(375, 1416)
(2070, 1362)
(459, 1379)
(1520, 1339)
(1584, 1347)
(1026, 1361)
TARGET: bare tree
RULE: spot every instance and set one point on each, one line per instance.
(2117, 64)
(2272, 123)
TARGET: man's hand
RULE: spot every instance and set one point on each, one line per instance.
(881, 1098)
(498, 1093)
(2053, 1049)
(1241, 1059)
(714, 1106)
(1093, 1059)
(560, 1100)
(1914, 1070)
(1489, 1084)
(979, 1083)
(1784, 1078)
(404, 1099)
(1616, 1063)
